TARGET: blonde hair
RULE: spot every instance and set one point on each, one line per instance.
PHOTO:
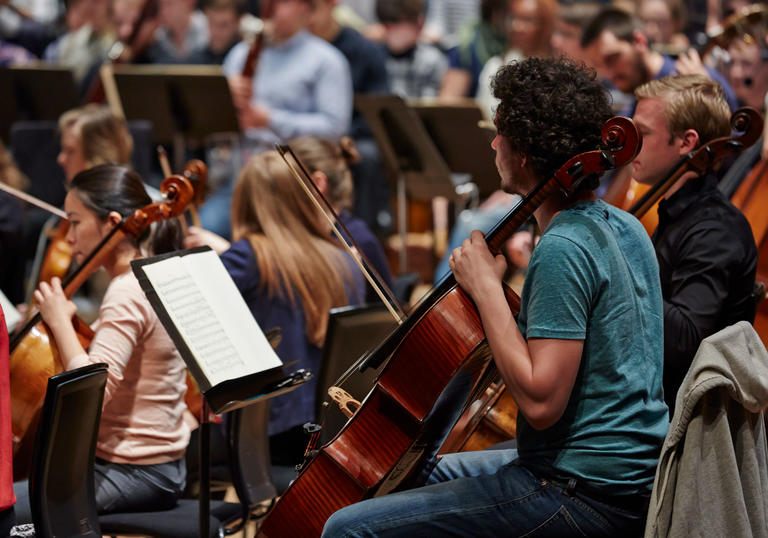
(691, 102)
(294, 251)
(104, 136)
(320, 155)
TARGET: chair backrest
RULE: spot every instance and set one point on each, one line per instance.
(35, 147)
(61, 488)
(352, 330)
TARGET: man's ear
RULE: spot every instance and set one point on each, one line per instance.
(321, 181)
(689, 141)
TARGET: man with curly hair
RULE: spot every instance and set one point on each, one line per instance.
(583, 360)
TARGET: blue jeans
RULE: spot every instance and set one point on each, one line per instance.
(485, 493)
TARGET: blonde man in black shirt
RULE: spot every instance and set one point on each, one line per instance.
(705, 248)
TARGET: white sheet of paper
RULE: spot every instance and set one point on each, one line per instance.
(211, 315)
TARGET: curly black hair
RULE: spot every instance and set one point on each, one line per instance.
(550, 110)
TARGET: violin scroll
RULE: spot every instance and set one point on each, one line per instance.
(197, 173)
(178, 192)
(621, 139)
(746, 121)
(749, 122)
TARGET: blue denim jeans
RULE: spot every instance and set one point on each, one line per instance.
(485, 493)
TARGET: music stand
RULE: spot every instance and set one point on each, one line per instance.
(462, 142)
(34, 93)
(413, 162)
(186, 103)
(228, 393)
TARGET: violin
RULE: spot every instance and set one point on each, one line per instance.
(435, 360)
(741, 25)
(33, 353)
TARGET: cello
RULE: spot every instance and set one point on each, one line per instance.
(33, 353)
(438, 355)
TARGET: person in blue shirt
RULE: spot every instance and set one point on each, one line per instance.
(583, 359)
(302, 85)
(291, 273)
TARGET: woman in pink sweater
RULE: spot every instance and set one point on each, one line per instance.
(142, 438)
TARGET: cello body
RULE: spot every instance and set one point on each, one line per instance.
(751, 197)
(438, 359)
(399, 426)
(32, 362)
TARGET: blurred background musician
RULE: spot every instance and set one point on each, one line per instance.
(619, 49)
(182, 33)
(302, 84)
(223, 18)
(290, 273)
(369, 76)
(415, 69)
(479, 40)
(84, 45)
(529, 26)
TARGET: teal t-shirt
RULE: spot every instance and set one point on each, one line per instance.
(594, 277)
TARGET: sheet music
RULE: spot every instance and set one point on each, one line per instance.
(211, 316)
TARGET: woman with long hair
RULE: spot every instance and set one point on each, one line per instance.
(142, 437)
(290, 273)
(328, 162)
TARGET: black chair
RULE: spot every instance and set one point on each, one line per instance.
(61, 486)
(352, 330)
(248, 454)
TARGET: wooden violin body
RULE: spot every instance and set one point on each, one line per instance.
(439, 356)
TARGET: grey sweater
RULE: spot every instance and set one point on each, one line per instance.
(712, 476)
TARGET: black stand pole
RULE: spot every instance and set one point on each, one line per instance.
(205, 470)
